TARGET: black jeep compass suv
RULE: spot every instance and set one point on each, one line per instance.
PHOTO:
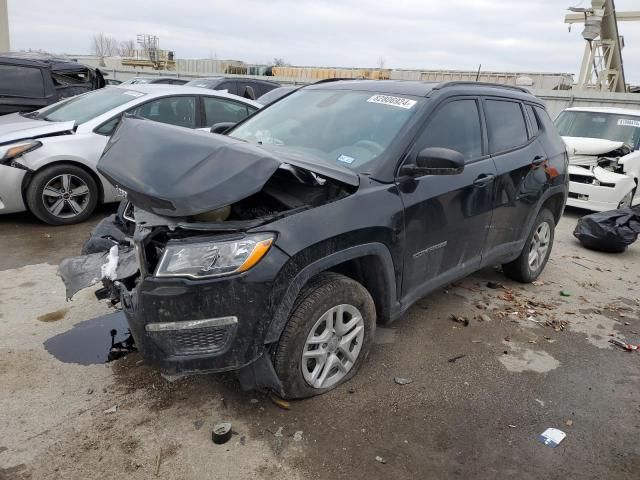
(275, 249)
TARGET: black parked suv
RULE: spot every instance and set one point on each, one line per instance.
(250, 88)
(275, 249)
(32, 81)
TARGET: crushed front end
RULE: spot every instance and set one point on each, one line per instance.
(208, 274)
(602, 173)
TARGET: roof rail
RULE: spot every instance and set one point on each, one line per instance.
(455, 83)
(327, 80)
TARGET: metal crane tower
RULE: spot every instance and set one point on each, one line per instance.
(602, 67)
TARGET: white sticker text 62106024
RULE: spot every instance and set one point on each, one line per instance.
(393, 101)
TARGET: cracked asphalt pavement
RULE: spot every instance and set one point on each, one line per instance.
(477, 399)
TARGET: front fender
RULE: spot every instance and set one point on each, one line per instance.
(379, 250)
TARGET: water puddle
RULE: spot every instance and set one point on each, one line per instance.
(89, 342)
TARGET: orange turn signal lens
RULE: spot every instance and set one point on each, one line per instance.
(256, 255)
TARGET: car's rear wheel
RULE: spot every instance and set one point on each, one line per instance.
(62, 194)
(327, 338)
(537, 249)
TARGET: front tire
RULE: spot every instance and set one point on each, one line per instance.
(327, 338)
(537, 249)
(62, 194)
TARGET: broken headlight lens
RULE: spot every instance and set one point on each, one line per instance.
(9, 153)
(212, 259)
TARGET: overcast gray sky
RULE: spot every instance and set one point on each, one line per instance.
(526, 35)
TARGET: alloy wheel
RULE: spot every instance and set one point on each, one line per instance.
(332, 346)
(539, 246)
(66, 196)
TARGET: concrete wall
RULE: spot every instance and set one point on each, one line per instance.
(558, 100)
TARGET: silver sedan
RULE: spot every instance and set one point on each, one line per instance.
(48, 157)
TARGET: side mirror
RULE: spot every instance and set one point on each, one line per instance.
(249, 92)
(435, 161)
(221, 127)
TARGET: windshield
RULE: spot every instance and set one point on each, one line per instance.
(86, 107)
(203, 82)
(339, 127)
(618, 128)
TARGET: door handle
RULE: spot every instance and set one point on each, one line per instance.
(483, 180)
(537, 161)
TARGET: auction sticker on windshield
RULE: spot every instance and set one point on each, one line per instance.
(625, 122)
(393, 101)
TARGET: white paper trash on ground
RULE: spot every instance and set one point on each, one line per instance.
(552, 437)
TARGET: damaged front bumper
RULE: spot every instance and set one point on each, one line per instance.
(597, 189)
(186, 326)
(11, 200)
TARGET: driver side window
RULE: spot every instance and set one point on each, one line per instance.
(456, 126)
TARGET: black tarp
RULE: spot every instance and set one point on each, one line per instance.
(611, 231)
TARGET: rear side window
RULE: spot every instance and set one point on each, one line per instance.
(533, 121)
(179, 111)
(506, 125)
(455, 126)
(544, 119)
(220, 110)
(21, 81)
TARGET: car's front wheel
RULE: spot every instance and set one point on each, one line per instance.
(627, 200)
(327, 338)
(62, 194)
(535, 254)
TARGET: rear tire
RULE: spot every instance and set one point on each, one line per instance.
(327, 338)
(535, 254)
(62, 194)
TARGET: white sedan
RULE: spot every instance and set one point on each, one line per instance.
(48, 157)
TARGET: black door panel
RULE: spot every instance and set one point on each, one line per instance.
(447, 216)
(521, 179)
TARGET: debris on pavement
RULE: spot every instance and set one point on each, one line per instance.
(278, 432)
(158, 462)
(564, 293)
(541, 402)
(485, 318)
(494, 285)
(380, 460)
(569, 423)
(113, 409)
(463, 320)
(552, 437)
(624, 345)
(297, 436)
(456, 358)
(403, 381)
(280, 402)
(221, 433)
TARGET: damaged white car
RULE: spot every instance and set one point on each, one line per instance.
(604, 156)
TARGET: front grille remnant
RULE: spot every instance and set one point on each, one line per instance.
(194, 341)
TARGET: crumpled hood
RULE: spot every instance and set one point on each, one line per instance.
(590, 146)
(174, 171)
(14, 127)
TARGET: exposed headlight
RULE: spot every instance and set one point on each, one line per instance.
(595, 182)
(15, 150)
(213, 259)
